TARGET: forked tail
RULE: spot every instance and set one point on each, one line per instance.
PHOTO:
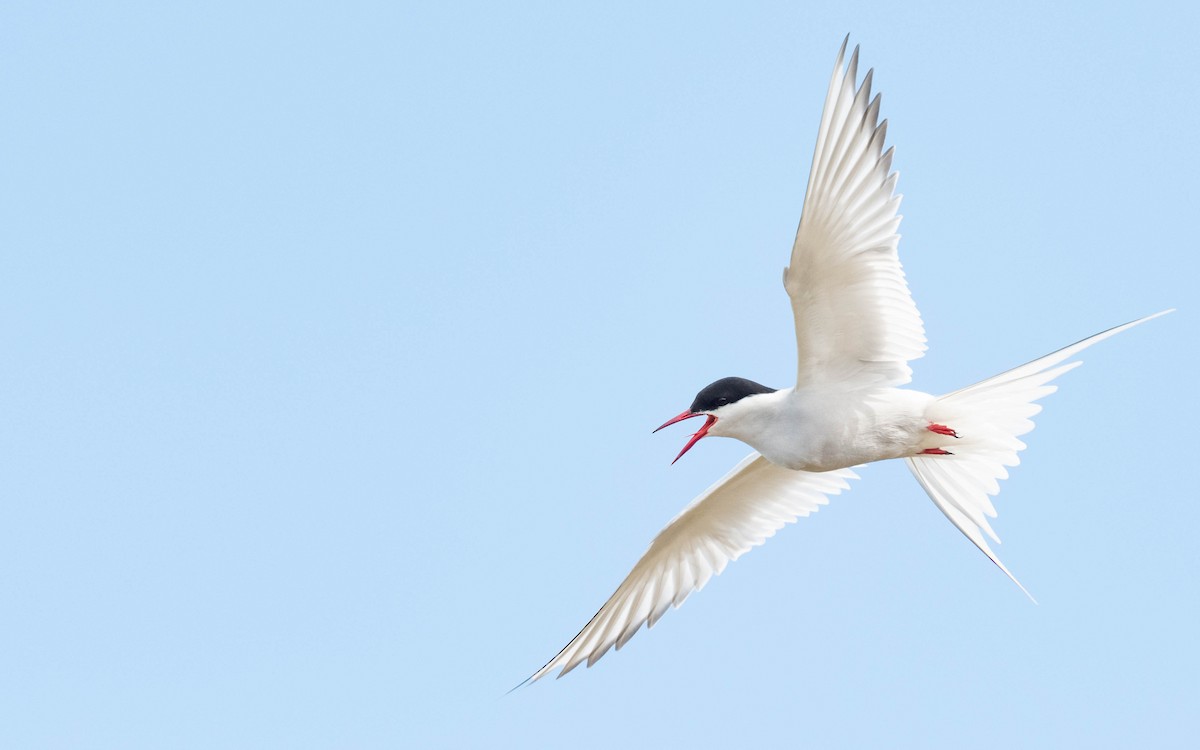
(988, 418)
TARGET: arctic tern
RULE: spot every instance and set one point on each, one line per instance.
(856, 330)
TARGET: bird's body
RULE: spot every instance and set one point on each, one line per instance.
(827, 428)
(856, 330)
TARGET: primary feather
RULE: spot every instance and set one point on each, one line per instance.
(741, 511)
(856, 330)
(855, 318)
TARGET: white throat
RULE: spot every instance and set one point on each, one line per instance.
(753, 418)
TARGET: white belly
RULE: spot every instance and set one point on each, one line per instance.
(824, 430)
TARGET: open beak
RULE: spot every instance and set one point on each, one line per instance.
(695, 436)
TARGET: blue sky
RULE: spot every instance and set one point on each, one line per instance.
(332, 338)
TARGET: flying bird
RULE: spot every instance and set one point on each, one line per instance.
(856, 330)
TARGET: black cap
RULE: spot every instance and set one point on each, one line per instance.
(726, 391)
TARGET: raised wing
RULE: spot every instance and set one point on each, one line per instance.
(855, 318)
(742, 510)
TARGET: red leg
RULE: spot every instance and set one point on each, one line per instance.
(936, 452)
(942, 429)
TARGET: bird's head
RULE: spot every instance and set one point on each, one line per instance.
(724, 399)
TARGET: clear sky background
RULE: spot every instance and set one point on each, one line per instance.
(331, 339)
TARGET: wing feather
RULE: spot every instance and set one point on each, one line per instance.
(746, 507)
(856, 322)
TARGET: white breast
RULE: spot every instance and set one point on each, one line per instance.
(825, 429)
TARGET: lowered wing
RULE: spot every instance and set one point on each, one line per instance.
(742, 510)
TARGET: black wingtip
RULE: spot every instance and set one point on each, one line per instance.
(841, 55)
(519, 685)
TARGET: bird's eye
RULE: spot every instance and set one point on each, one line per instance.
(722, 401)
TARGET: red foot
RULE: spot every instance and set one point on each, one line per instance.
(936, 452)
(942, 429)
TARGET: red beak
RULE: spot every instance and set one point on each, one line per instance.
(695, 436)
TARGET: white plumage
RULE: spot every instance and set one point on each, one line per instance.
(856, 330)
(854, 315)
(742, 510)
